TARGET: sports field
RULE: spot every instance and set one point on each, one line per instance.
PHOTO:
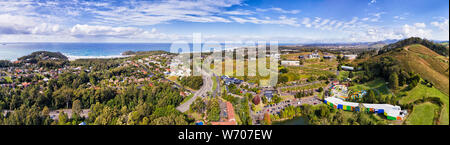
(422, 114)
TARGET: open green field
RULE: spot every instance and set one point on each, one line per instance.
(306, 72)
(342, 75)
(306, 87)
(293, 56)
(259, 107)
(310, 67)
(187, 98)
(214, 83)
(325, 65)
(422, 114)
(379, 86)
(8, 79)
(420, 91)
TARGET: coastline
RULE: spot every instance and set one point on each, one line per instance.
(73, 58)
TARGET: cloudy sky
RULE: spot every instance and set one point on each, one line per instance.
(293, 21)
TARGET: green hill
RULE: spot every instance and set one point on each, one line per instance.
(436, 47)
(45, 59)
(420, 60)
(37, 56)
(427, 63)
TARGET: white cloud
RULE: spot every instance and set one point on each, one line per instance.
(280, 10)
(239, 12)
(149, 13)
(417, 30)
(399, 17)
(372, 2)
(306, 22)
(375, 17)
(17, 24)
(283, 20)
(442, 25)
(420, 25)
(330, 24)
(88, 30)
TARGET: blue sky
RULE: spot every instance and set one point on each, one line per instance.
(286, 21)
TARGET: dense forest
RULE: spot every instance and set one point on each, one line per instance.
(149, 102)
(45, 59)
(5, 63)
(194, 82)
(96, 64)
(438, 48)
(133, 105)
(40, 55)
(387, 68)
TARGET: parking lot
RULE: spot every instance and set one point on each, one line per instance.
(276, 108)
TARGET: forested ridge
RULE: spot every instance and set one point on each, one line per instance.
(436, 47)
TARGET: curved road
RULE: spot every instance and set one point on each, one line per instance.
(207, 86)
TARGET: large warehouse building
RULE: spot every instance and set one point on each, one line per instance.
(390, 111)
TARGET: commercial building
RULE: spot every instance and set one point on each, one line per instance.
(391, 112)
(348, 68)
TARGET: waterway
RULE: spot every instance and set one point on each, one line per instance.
(294, 121)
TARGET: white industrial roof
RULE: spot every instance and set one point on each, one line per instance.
(390, 110)
(339, 101)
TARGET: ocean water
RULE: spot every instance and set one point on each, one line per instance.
(12, 51)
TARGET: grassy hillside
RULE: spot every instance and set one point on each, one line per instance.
(430, 66)
(422, 114)
(427, 63)
(418, 93)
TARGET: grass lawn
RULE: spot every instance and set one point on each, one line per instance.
(422, 114)
(306, 87)
(187, 98)
(413, 95)
(319, 94)
(214, 83)
(305, 72)
(342, 75)
(379, 85)
(421, 90)
(195, 115)
(259, 107)
(8, 79)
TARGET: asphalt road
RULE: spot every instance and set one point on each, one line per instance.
(207, 86)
